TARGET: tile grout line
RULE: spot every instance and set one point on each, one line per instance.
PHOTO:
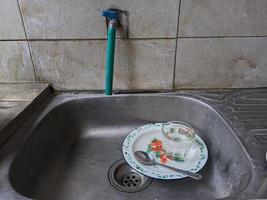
(222, 37)
(104, 39)
(32, 59)
(28, 43)
(83, 39)
(176, 41)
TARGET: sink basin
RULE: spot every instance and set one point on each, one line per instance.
(76, 139)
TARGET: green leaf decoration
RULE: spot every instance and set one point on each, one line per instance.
(157, 154)
(149, 148)
(178, 159)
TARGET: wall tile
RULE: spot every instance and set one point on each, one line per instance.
(139, 64)
(153, 18)
(11, 26)
(223, 18)
(221, 63)
(145, 64)
(15, 62)
(59, 19)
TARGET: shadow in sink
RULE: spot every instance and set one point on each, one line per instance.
(69, 153)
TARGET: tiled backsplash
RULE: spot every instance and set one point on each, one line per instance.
(171, 45)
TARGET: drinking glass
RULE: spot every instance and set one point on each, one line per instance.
(177, 139)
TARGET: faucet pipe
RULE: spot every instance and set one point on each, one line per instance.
(110, 52)
(112, 17)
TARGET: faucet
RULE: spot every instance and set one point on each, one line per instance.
(112, 19)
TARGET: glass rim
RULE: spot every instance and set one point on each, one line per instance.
(182, 125)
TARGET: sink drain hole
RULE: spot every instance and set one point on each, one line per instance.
(124, 178)
(131, 180)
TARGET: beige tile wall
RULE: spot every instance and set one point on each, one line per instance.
(80, 64)
(11, 26)
(81, 19)
(15, 62)
(173, 44)
(242, 62)
(223, 18)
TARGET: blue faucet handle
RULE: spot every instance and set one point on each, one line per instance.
(111, 14)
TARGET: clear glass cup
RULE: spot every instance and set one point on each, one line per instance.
(177, 139)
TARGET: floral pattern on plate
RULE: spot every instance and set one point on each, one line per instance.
(155, 147)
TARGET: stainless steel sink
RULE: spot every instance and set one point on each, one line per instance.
(64, 151)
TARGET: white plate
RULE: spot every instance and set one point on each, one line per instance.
(140, 138)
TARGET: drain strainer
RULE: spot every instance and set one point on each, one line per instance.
(124, 178)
